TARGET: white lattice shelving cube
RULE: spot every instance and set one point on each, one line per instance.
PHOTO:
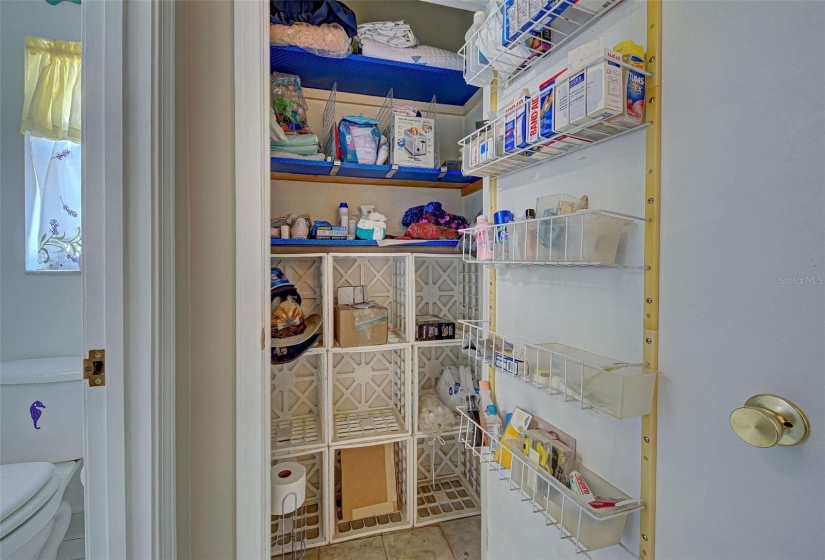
(297, 403)
(447, 287)
(385, 276)
(429, 362)
(447, 480)
(402, 519)
(369, 395)
(311, 519)
(308, 273)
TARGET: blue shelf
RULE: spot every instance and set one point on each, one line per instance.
(360, 243)
(375, 174)
(372, 76)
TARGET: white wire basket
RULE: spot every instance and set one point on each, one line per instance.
(308, 521)
(369, 393)
(372, 525)
(448, 484)
(587, 528)
(587, 238)
(297, 403)
(385, 276)
(447, 287)
(496, 162)
(546, 32)
(619, 389)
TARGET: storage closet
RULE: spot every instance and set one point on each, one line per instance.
(559, 317)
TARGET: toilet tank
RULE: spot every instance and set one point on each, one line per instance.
(41, 410)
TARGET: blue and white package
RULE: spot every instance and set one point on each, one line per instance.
(358, 138)
(510, 128)
(511, 27)
(521, 122)
(546, 108)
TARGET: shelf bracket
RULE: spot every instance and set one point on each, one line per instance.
(336, 166)
(391, 172)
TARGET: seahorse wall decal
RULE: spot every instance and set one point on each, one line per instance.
(36, 413)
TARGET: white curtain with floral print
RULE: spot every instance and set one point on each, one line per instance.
(53, 240)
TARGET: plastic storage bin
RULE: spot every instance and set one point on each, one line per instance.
(590, 236)
(617, 389)
(448, 482)
(309, 519)
(298, 419)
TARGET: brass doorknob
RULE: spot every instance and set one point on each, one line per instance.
(768, 420)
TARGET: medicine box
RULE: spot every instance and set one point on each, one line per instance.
(430, 327)
(521, 121)
(604, 87)
(533, 119)
(633, 88)
(414, 141)
(546, 106)
(511, 27)
(510, 126)
(347, 295)
(510, 364)
(561, 105)
(577, 107)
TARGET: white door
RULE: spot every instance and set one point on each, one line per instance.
(128, 277)
(742, 264)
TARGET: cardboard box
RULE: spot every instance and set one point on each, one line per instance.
(561, 106)
(534, 119)
(347, 295)
(368, 485)
(366, 326)
(604, 87)
(430, 327)
(414, 141)
(576, 97)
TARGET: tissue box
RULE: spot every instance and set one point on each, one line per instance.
(430, 327)
(414, 141)
(364, 326)
(347, 295)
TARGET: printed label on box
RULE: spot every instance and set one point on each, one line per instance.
(414, 142)
(533, 121)
(576, 101)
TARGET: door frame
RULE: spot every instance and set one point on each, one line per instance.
(252, 249)
(128, 273)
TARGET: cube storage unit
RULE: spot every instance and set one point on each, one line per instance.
(385, 276)
(401, 519)
(309, 520)
(430, 361)
(297, 403)
(447, 480)
(308, 273)
(446, 287)
(369, 395)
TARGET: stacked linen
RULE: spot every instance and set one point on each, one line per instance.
(423, 55)
(392, 33)
(297, 145)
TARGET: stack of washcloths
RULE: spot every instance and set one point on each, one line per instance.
(392, 33)
(302, 146)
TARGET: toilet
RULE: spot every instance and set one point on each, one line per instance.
(41, 447)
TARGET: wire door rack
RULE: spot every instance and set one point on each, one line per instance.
(550, 29)
(587, 238)
(619, 389)
(587, 528)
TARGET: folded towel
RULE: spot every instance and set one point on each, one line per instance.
(295, 150)
(298, 140)
(290, 155)
(406, 110)
(393, 33)
(423, 55)
(276, 133)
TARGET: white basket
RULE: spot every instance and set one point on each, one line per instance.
(430, 361)
(308, 273)
(311, 519)
(369, 394)
(448, 484)
(447, 287)
(297, 403)
(385, 276)
(402, 519)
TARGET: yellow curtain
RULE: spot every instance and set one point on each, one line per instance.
(51, 107)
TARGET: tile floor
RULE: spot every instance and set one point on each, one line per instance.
(453, 540)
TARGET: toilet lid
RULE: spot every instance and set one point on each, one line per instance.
(20, 482)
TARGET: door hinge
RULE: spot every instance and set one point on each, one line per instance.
(263, 339)
(94, 368)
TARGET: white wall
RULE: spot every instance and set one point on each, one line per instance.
(40, 314)
(743, 206)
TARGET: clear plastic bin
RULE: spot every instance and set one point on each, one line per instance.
(620, 390)
(590, 236)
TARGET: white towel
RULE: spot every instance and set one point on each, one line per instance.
(393, 33)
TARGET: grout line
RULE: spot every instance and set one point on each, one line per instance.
(449, 544)
(384, 545)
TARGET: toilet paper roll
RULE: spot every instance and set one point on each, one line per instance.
(288, 478)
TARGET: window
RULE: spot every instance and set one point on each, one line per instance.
(53, 239)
